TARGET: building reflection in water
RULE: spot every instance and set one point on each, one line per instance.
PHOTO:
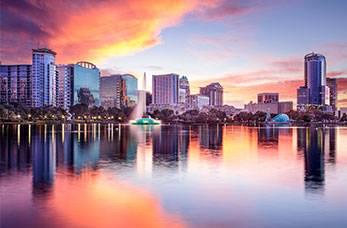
(44, 156)
(117, 144)
(165, 146)
(15, 150)
(316, 142)
(211, 136)
(332, 145)
(268, 136)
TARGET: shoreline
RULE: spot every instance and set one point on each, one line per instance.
(291, 124)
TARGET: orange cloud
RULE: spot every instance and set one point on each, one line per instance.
(116, 28)
(86, 29)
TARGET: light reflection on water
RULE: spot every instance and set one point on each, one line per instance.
(89, 175)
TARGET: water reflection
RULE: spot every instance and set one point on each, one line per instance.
(44, 158)
(211, 136)
(316, 143)
(268, 136)
(91, 164)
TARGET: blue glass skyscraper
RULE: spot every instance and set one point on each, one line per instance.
(315, 79)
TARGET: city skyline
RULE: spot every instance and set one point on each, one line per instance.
(245, 46)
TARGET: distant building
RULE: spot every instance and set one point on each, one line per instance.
(332, 84)
(43, 77)
(182, 96)
(262, 107)
(148, 98)
(285, 106)
(15, 84)
(215, 93)
(118, 91)
(184, 90)
(65, 85)
(198, 101)
(268, 97)
(165, 89)
(269, 102)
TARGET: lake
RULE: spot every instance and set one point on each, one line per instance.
(92, 175)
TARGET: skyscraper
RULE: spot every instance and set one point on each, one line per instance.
(215, 93)
(315, 79)
(165, 89)
(65, 85)
(15, 84)
(43, 77)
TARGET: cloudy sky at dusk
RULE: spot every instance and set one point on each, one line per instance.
(248, 46)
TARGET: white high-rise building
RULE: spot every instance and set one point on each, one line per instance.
(165, 89)
(44, 75)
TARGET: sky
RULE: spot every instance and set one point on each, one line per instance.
(248, 46)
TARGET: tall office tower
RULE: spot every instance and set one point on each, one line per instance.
(86, 84)
(315, 79)
(184, 89)
(15, 84)
(43, 77)
(215, 93)
(264, 98)
(165, 89)
(65, 85)
(332, 84)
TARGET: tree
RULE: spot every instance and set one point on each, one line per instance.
(79, 110)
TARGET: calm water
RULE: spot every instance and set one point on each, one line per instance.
(172, 176)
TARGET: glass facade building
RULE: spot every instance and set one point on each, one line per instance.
(130, 89)
(15, 84)
(86, 84)
(315, 79)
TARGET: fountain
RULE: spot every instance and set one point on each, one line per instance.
(140, 116)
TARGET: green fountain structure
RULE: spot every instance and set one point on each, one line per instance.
(141, 117)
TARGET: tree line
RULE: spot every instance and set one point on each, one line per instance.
(81, 112)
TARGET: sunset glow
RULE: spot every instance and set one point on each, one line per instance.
(248, 46)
